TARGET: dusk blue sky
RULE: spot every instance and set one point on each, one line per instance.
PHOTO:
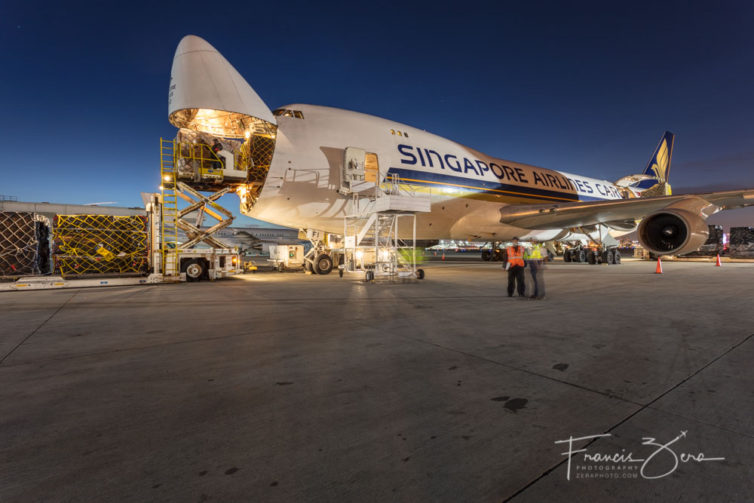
(583, 87)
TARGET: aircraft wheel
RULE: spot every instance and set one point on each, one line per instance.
(486, 255)
(420, 273)
(581, 255)
(592, 257)
(616, 258)
(195, 270)
(323, 264)
(610, 257)
(567, 256)
(368, 276)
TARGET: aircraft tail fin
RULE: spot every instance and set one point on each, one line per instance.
(659, 164)
(654, 180)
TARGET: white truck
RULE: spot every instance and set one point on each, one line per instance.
(287, 257)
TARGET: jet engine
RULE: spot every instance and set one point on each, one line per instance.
(673, 231)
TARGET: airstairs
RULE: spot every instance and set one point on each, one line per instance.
(380, 232)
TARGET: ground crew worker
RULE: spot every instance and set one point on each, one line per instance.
(515, 268)
(216, 148)
(535, 259)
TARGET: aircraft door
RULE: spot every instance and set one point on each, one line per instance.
(371, 168)
(353, 168)
(361, 170)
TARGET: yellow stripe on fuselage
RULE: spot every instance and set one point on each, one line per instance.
(478, 190)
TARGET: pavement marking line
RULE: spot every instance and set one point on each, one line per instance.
(139, 348)
(2, 360)
(644, 407)
(705, 423)
(525, 371)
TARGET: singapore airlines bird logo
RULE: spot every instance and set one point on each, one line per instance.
(660, 165)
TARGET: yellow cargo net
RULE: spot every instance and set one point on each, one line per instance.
(256, 156)
(100, 244)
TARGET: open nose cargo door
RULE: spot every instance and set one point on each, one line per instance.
(209, 96)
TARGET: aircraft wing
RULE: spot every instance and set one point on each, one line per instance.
(620, 211)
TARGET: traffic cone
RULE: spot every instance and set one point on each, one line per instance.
(659, 266)
(717, 261)
(443, 255)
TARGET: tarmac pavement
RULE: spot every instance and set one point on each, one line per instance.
(287, 387)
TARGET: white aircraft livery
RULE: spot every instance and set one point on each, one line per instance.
(302, 166)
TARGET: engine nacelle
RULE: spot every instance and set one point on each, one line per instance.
(673, 231)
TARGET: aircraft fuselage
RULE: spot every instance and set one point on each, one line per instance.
(466, 187)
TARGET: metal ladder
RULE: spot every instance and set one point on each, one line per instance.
(169, 215)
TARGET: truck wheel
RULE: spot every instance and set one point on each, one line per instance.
(323, 264)
(420, 274)
(486, 255)
(195, 270)
(567, 256)
(281, 267)
(308, 266)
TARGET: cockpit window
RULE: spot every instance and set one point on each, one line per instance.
(284, 112)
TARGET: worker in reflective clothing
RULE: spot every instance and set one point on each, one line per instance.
(534, 257)
(515, 268)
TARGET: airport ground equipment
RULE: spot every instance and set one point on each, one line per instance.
(495, 252)
(24, 244)
(55, 282)
(285, 257)
(181, 260)
(85, 245)
(742, 242)
(108, 250)
(376, 241)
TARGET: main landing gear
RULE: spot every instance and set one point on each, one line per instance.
(583, 254)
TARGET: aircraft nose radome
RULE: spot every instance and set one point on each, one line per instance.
(192, 43)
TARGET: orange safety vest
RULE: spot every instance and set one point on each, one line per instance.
(515, 257)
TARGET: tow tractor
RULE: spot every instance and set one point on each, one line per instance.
(494, 252)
